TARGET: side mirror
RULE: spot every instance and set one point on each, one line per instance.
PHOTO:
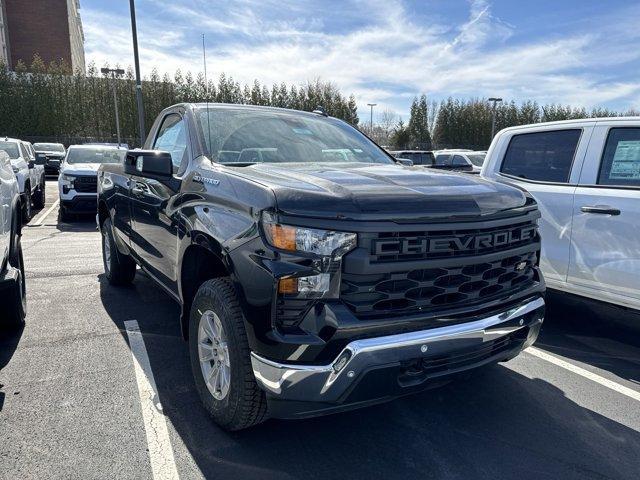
(148, 163)
(31, 164)
(41, 159)
(405, 161)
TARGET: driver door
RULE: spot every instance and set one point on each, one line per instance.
(155, 227)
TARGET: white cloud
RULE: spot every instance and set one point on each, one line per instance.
(387, 58)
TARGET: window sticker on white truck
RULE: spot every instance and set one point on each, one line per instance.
(626, 160)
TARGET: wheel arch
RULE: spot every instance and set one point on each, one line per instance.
(103, 212)
(202, 260)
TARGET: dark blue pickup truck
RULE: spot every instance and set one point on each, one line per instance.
(315, 273)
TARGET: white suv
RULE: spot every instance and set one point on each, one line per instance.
(31, 179)
(12, 282)
(78, 178)
(585, 175)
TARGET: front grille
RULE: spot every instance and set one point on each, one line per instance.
(428, 289)
(417, 279)
(86, 184)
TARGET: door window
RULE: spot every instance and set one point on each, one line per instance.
(620, 164)
(458, 161)
(172, 138)
(442, 160)
(542, 156)
(24, 153)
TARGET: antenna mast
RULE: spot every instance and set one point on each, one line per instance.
(206, 96)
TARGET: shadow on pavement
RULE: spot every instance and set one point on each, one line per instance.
(605, 336)
(497, 424)
(9, 340)
(77, 223)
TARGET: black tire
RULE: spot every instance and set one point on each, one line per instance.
(14, 307)
(26, 204)
(119, 269)
(39, 197)
(63, 216)
(244, 404)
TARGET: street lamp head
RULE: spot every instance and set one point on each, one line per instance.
(371, 104)
(495, 99)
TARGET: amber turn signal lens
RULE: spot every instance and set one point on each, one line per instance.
(288, 285)
(281, 236)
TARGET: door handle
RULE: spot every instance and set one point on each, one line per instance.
(601, 209)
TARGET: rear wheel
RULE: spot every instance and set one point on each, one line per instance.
(120, 269)
(220, 358)
(39, 196)
(14, 307)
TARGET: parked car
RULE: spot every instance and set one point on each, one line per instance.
(458, 160)
(309, 286)
(78, 177)
(52, 154)
(31, 179)
(418, 157)
(12, 279)
(585, 175)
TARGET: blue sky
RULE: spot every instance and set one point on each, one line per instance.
(583, 53)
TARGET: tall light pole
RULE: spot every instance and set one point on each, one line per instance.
(495, 101)
(371, 120)
(136, 61)
(114, 72)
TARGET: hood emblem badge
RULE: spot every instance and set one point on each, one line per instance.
(521, 266)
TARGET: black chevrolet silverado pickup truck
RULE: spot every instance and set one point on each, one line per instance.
(315, 274)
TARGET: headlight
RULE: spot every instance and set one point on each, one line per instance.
(323, 278)
(67, 181)
(327, 243)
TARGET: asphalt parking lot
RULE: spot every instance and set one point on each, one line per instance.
(70, 405)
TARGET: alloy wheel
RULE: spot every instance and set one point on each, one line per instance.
(213, 353)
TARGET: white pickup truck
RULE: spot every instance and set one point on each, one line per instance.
(12, 283)
(585, 176)
(30, 175)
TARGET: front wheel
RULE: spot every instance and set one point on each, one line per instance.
(26, 206)
(220, 359)
(14, 307)
(119, 269)
(39, 196)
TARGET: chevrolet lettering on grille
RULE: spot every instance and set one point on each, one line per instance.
(435, 244)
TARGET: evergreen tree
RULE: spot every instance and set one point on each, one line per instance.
(420, 137)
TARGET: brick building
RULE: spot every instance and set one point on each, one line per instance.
(49, 28)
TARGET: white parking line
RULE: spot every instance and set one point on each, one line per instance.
(605, 382)
(41, 220)
(163, 465)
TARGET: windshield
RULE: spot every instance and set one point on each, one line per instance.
(11, 148)
(48, 147)
(252, 136)
(477, 158)
(95, 155)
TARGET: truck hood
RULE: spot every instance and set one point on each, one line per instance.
(394, 192)
(81, 168)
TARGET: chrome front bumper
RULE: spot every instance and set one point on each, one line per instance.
(330, 383)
